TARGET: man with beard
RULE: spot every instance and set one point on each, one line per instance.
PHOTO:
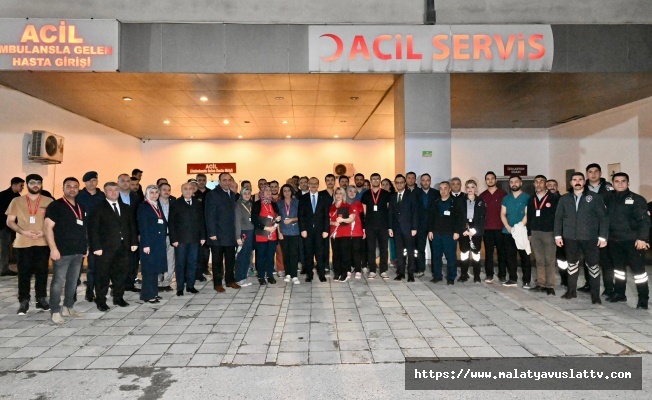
(553, 187)
(358, 180)
(6, 234)
(261, 182)
(343, 181)
(90, 197)
(26, 217)
(425, 201)
(581, 226)
(493, 229)
(629, 226)
(541, 221)
(376, 203)
(130, 198)
(513, 212)
(411, 181)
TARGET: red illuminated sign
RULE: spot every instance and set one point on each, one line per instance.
(211, 168)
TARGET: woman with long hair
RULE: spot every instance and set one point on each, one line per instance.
(357, 231)
(470, 241)
(244, 235)
(340, 233)
(153, 254)
(265, 218)
(289, 235)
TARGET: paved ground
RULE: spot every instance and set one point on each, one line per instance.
(331, 324)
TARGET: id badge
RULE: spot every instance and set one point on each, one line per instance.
(447, 212)
(160, 221)
(32, 220)
(629, 201)
(249, 219)
(80, 222)
(538, 213)
(375, 207)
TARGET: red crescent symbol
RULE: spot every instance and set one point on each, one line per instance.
(340, 47)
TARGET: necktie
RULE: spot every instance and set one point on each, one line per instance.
(115, 208)
(314, 203)
(188, 202)
(400, 197)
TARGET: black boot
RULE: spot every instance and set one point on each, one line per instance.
(642, 304)
(617, 297)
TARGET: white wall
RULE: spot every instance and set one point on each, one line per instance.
(88, 145)
(269, 159)
(476, 151)
(620, 135)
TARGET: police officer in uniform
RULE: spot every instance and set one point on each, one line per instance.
(629, 226)
(582, 226)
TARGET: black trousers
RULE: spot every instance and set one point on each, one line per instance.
(202, 260)
(313, 247)
(493, 240)
(32, 261)
(90, 272)
(421, 242)
(358, 253)
(624, 253)
(512, 251)
(290, 246)
(562, 265)
(341, 256)
(470, 255)
(223, 264)
(404, 249)
(326, 253)
(589, 249)
(132, 270)
(377, 237)
(111, 265)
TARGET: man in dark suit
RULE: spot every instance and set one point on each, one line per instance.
(112, 237)
(204, 250)
(403, 223)
(314, 224)
(220, 228)
(7, 235)
(187, 233)
(131, 199)
(425, 198)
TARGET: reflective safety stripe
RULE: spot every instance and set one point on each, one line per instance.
(476, 256)
(464, 256)
(416, 253)
(619, 275)
(562, 264)
(640, 280)
(594, 271)
(572, 268)
(641, 276)
(405, 252)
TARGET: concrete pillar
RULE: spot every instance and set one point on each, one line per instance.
(422, 123)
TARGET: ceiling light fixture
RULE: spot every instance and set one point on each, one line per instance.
(336, 136)
(166, 122)
(127, 98)
(240, 137)
(203, 98)
(191, 137)
(288, 137)
(354, 98)
(226, 122)
(284, 122)
(279, 98)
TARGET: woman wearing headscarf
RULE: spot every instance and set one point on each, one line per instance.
(289, 236)
(340, 232)
(265, 218)
(357, 231)
(153, 254)
(244, 235)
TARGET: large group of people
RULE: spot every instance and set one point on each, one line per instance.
(296, 229)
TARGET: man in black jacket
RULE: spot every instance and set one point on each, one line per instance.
(445, 225)
(187, 232)
(581, 226)
(597, 184)
(204, 250)
(425, 200)
(376, 212)
(131, 199)
(629, 226)
(112, 236)
(6, 234)
(540, 225)
(220, 229)
(314, 224)
(403, 222)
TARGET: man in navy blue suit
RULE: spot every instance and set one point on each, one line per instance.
(220, 229)
(403, 223)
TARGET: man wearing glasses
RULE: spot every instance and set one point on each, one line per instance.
(26, 216)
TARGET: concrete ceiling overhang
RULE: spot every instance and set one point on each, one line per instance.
(317, 106)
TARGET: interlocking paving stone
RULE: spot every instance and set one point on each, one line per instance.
(362, 321)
